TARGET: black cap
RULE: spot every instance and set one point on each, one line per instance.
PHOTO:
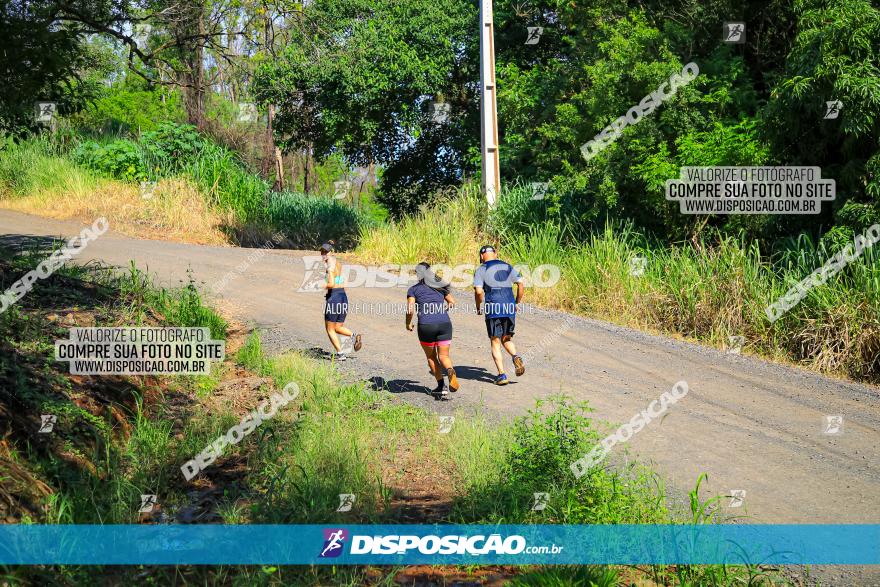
(487, 249)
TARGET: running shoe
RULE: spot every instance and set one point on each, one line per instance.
(358, 343)
(340, 357)
(453, 380)
(441, 391)
(520, 366)
(501, 380)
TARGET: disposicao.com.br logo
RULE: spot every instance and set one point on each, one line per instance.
(431, 545)
(334, 542)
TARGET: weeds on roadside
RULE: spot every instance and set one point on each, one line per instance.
(97, 466)
(537, 451)
(42, 168)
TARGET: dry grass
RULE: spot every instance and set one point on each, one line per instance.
(177, 211)
(447, 233)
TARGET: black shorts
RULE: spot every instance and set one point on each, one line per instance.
(500, 327)
(437, 334)
(336, 305)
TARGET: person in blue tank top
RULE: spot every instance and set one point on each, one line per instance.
(493, 293)
(430, 300)
(336, 303)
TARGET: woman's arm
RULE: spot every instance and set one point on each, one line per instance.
(331, 273)
(410, 312)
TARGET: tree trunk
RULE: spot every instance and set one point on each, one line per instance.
(274, 153)
(189, 21)
(307, 170)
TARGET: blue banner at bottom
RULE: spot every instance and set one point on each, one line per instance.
(440, 544)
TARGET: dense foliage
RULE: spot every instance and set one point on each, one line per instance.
(173, 149)
(44, 61)
(357, 81)
(361, 79)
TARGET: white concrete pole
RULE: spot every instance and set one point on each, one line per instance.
(488, 110)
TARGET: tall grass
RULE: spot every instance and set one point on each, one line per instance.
(305, 221)
(345, 435)
(37, 166)
(101, 459)
(309, 221)
(707, 291)
(446, 233)
(328, 448)
(351, 439)
(335, 438)
(533, 454)
(227, 184)
(39, 176)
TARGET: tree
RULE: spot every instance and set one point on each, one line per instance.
(43, 60)
(834, 57)
(359, 76)
(172, 54)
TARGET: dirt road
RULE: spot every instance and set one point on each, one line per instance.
(751, 425)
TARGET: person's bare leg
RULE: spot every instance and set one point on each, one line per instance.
(443, 354)
(446, 361)
(331, 334)
(433, 364)
(496, 354)
(356, 338)
(518, 363)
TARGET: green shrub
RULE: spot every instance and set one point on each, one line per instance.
(310, 221)
(126, 110)
(184, 308)
(121, 159)
(534, 455)
(545, 444)
(172, 147)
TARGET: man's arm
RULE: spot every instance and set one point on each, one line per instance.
(520, 287)
(478, 288)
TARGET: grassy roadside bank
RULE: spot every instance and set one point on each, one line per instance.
(36, 178)
(171, 183)
(119, 437)
(706, 291)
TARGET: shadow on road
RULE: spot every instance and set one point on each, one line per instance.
(397, 385)
(463, 372)
(315, 353)
(18, 243)
(474, 374)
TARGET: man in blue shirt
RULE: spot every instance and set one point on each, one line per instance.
(493, 293)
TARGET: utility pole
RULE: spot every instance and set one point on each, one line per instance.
(488, 110)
